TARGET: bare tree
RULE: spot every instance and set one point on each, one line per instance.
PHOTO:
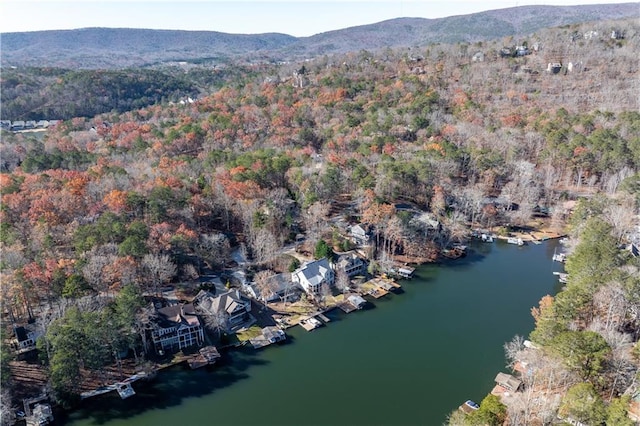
(97, 259)
(513, 349)
(217, 322)
(214, 249)
(7, 409)
(265, 284)
(265, 246)
(160, 269)
(315, 219)
(325, 293)
(621, 217)
(342, 280)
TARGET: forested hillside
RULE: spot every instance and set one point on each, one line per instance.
(98, 211)
(113, 48)
(57, 94)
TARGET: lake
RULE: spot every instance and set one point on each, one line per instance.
(409, 360)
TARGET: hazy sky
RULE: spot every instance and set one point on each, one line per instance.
(297, 18)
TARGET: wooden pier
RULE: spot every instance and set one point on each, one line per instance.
(270, 335)
(206, 356)
(378, 292)
(379, 287)
(310, 323)
(324, 318)
(347, 307)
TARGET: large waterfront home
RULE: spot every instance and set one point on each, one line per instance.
(312, 275)
(351, 264)
(279, 287)
(175, 328)
(230, 305)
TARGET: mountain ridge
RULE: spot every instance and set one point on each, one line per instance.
(99, 47)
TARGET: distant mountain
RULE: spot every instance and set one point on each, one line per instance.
(463, 28)
(117, 48)
(123, 47)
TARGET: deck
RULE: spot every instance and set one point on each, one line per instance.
(324, 318)
(347, 307)
(379, 287)
(310, 323)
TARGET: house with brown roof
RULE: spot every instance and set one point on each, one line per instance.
(508, 382)
(175, 328)
(351, 264)
(232, 305)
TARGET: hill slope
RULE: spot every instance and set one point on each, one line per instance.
(117, 48)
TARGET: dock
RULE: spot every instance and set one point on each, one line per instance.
(269, 336)
(347, 307)
(125, 390)
(379, 287)
(378, 292)
(109, 388)
(310, 323)
(324, 318)
(559, 257)
(562, 277)
(206, 356)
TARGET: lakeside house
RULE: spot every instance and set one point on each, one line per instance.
(351, 264)
(312, 275)
(175, 328)
(280, 287)
(231, 305)
(24, 339)
(360, 234)
(508, 382)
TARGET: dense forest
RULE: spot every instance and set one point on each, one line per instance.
(58, 94)
(102, 210)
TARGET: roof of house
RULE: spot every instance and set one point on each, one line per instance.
(348, 259)
(508, 381)
(21, 333)
(356, 300)
(280, 282)
(179, 314)
(314, 272)
(228, 302)
(358, 229)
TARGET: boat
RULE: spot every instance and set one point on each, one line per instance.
(562, 277)
(468, 407)
(486, 238)
(516, 241)
(125, 390)
(559, 257)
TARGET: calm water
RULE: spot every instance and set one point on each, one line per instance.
(409, 360)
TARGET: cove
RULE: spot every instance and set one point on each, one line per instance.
(409, 360)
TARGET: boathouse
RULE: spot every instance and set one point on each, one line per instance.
(357, 301)
(508, 382)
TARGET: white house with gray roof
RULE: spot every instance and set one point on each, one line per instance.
(312, 275)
